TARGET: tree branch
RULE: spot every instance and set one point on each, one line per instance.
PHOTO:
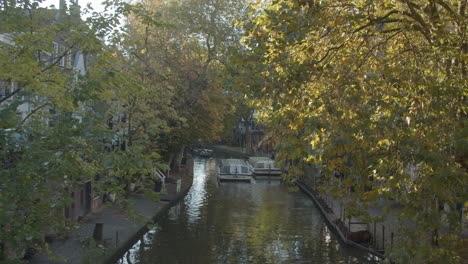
(10, 95)
(425, 29)
(379, 20)
(67, 52)
(452, 13)
(32, 112)
(328, 53)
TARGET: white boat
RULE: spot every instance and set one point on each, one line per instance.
(203, 152)
(264, 166)
(234, 170)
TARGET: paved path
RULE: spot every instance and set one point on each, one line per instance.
(119, 228)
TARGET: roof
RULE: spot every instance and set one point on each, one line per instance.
(263, 163)
(233, 162)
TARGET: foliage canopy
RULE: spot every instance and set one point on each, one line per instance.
(377, 90)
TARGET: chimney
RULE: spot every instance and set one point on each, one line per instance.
(75, 10)
(62, 5)
(62, 10)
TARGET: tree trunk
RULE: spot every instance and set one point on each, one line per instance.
(248, 138)
(177, 160)
(130, 133)
(171, 160)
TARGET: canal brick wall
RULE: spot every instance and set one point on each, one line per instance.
(170, 199)
(335, 222)
(384, 234)
(120, 229)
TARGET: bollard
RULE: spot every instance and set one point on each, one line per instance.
(98, 232)
(179, 184)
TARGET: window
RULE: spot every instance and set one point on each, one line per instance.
(2, 89)
(62, 54)
(6, 88)
(225, 169)
(56, 54)
(271, 165)
(56, 49)
(244, 169)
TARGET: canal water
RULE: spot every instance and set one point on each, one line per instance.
(261, 222)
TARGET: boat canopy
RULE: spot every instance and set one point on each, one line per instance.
(262, 163)
(233, 166)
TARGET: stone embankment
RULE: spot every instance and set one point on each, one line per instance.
(345, 233)
(120, 230)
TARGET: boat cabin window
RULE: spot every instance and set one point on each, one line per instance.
(225, 169)
(260, 165)
(233, 167)
(244, 169)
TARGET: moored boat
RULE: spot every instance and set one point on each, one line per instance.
(234, 170)
(203, 152)
(264, 166)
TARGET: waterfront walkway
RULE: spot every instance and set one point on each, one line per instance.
(120, 229)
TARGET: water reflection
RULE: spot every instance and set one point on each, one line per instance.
(241, 223)
(197, 195)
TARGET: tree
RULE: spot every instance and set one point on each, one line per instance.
(60, 142)
(374, 88)
(184, 59)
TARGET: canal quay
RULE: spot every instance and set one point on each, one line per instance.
(234, 222)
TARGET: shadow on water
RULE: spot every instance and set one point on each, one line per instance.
(241, 223)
